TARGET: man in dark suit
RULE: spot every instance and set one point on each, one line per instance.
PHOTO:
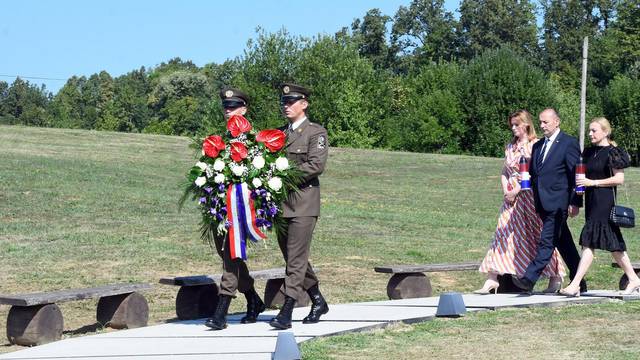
(307, 146)
(553, 162)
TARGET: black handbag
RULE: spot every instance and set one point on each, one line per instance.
(620, 215)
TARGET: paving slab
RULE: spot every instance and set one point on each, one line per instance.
(612, 294)
(197, 329)
(492, 301)
(192, 340)
(182, 347)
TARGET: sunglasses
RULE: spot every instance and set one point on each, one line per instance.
(233, 104)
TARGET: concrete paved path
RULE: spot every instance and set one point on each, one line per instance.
(191, 340)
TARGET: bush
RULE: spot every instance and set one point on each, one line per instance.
(492, 86)
(622, 108)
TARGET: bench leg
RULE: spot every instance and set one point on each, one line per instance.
(34, 325)
(274, 294)
(196, 302)
(408, 285)
(123, 311)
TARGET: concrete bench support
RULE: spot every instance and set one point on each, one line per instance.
(409, 281)
(35, 318)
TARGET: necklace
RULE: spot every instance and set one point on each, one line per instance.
(598, 152)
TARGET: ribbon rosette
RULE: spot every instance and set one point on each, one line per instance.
(272, 139)
(237, 125)
(238, 151)
(212, 146)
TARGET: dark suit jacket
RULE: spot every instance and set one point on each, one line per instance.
(553, 183)
(308, 148)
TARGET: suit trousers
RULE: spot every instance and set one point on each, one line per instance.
(555, 234)
(235, 274)
(295, 248)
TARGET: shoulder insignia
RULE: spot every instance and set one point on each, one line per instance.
(322, 142)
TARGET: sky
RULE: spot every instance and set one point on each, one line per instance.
(59, 39)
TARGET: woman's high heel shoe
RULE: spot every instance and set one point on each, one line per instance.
(631, 289)
(488, 286)
(565, 292)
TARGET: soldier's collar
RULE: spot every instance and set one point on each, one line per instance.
(296, 124)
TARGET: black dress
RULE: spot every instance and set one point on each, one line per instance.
(598, 231)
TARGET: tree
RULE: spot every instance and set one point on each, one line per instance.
(622, 108)
(425, 32)
(179, 102)
(371, 35)
(490, 24)
(492, 86)
(23, 103)
(566, 23)
(430, 117)
(348, 96)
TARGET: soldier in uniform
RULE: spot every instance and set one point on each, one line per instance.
(235, 275)
(307, 146)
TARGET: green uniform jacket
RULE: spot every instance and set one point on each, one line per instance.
(308, 147)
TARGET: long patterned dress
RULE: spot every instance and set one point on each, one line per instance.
(516, 239)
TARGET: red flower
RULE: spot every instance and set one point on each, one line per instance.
(272, 139)
(237, 125)
(212, 146)
(238, 151)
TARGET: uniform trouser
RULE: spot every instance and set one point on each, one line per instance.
(295, 248)
(555, 234)
(235, 274)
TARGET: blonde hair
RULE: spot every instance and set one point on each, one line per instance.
(606, 127)
(524, 117)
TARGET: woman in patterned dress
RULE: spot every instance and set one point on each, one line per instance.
(516, 238)
(605, 170)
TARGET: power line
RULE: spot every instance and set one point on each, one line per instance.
(32, 77)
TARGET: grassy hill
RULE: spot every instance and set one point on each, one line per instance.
(85, 208)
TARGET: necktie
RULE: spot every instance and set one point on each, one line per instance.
(542, 151)
(289, 130)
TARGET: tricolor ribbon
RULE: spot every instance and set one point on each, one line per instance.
(242, 217)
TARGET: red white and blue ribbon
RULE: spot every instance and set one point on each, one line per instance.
(242, 217)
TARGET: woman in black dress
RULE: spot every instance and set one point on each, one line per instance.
(605, 163)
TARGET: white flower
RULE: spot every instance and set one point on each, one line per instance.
(218, 165)
(201, 165)
(275, 183)
(258, 162)
(256, 182)
(238, 170)
(282, 163)
(219, 179)
(201, 180)
(209, 171)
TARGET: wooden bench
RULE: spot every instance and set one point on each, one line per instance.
(35, 318)
(198, 295)
(409, 281)
(624, 280)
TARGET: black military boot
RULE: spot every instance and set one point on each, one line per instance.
(219, 319)
(319, 306)
(254, 307)
(283, 319)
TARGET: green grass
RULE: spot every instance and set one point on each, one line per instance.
(85, 208)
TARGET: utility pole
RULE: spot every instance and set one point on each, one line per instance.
(583, 92)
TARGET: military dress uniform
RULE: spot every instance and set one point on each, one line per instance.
(235, 274)
(308, 148)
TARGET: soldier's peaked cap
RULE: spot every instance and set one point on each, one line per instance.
(229, 94)
(290, 90)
